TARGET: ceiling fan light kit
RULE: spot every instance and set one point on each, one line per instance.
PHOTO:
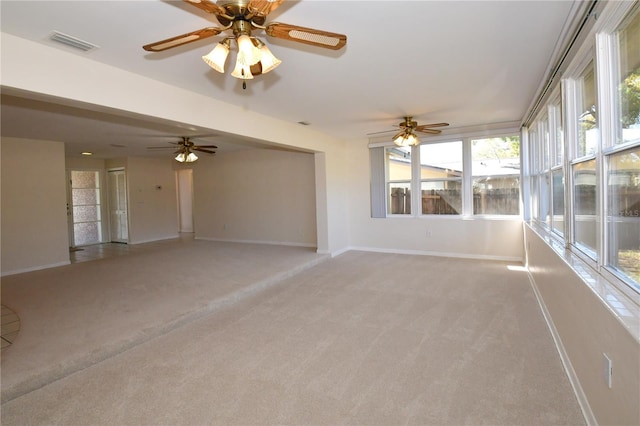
(218, 56)
(185, 157)
(406, 138)
(185, 153)
(241, 17)
(407, 135)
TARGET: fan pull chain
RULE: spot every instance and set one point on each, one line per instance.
(244, 82)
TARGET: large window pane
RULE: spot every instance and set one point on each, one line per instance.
(545, 211)
(441, 197)
(629, 81)
(496, 175)
(557, 190)
(441, 178)
(557, 134)
(585, 217)
(398, 170)
(623, 183)
(587, 115)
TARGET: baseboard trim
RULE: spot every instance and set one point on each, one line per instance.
(35, 268)
(153, 240)
(564, 357)
(438, 254)
(273, 243)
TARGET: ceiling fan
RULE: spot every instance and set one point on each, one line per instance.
(185, 149)
(242, 17)
(407, 135)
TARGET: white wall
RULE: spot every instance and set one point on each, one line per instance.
(436, 235)
(153, 211)
(587, 330)
(256, 195)
(33, 205)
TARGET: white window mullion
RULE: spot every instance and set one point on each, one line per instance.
(569, 99)
(467, 172)
(416, 193)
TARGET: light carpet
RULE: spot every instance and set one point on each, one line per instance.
(363, 338)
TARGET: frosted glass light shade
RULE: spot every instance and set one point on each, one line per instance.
(186, 157)
(268, 61)
(248, 54)
(406, 139)
(217, 57)
(242, 71)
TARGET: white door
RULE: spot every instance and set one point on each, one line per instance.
(185, 199)
(119, 228)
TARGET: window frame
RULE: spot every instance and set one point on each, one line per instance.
(599, 49)
(467, 193)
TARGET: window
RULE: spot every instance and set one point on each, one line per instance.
(583, 168)
(623, 182)
(628, 96)
(441, 178)
(584, 149)
(544, 176)
(587, 118)
(622, 159)
(584, 201)
(434, 178)
(556, 143)
(496, 175)
(398, 170)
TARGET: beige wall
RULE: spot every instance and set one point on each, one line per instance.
(33, 205)
(72, 78)
(153, 210)
(256, 195)
(436, 235)
(587, 328)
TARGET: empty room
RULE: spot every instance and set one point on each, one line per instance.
(315, 212)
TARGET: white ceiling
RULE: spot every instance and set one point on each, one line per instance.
(463, 62)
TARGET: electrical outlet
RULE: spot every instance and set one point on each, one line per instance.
(607, 370)
(429, 234)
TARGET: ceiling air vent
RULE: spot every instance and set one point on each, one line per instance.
(70, 41)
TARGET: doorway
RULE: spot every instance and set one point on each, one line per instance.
(119, 226)
(84, 210)
(185, 199)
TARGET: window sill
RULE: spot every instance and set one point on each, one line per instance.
(623, 304)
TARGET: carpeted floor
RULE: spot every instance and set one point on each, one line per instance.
(363, 338)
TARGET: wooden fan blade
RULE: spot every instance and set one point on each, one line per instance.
(196, 148)
(307, 35)
(263, 7)
(182, 39)
(205, 146)
(429, 131)
(427, 126)
(209, 7)
(397, 135)
(161, 147)
(383, 131)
